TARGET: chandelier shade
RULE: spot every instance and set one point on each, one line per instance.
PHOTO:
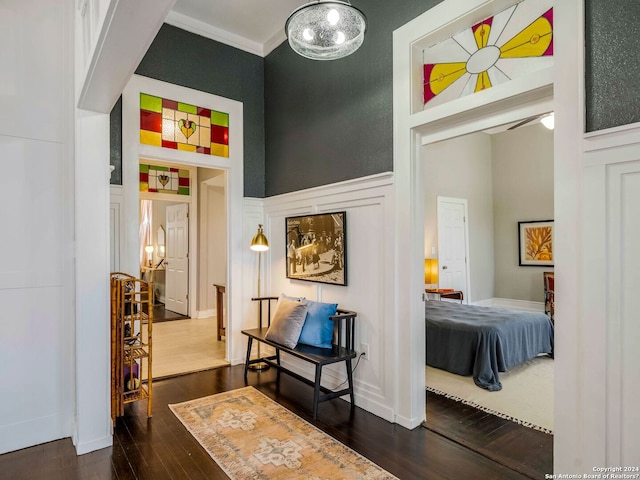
(326, 30)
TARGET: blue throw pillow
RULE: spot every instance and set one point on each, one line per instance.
(318, 329)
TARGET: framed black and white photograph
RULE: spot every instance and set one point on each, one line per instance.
(317, 248)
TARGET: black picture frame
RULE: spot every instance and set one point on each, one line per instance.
(319, 249)
(535, 243)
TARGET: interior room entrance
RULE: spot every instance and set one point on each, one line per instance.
(178, 225)
(505, 176)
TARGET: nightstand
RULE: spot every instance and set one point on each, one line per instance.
(446, 294)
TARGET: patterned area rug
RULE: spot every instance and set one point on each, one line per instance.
(251, 436)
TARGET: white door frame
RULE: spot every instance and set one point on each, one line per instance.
(413, 128)
(133, 151)
(467, 278)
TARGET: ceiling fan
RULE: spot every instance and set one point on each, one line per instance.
(547, 119)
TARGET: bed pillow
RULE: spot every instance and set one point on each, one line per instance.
(287, 322)
(318, 328)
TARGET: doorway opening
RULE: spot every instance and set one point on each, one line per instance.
(179, 233)
(503, 176)
(195, 171)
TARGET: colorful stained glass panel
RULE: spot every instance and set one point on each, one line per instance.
(159, 179)
(513, 43)
(181, 126)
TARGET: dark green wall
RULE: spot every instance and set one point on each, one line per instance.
(182, 58)
(612, 70)
(306, 123)
(115, 142)
(333, 120)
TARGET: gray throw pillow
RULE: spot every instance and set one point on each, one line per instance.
(286, 324)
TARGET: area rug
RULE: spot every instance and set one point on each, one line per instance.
(252, 437)
(526, 396)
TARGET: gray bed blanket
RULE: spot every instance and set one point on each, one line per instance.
(482, 341)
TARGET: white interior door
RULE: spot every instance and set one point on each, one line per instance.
(453, 244)
(177, 258)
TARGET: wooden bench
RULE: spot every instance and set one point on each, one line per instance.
(342, 350)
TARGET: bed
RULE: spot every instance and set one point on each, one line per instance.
(483, 341)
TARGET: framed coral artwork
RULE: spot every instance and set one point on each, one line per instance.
(535, 240)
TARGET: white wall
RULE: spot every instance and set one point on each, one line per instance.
(522, 191)
(212, 231)
(598, 273)
(506, 177)
(36, 277)
(368, 203)
(461, 168)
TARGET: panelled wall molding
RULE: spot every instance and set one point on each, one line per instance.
(623, 331)
(610, 329)
(597, 195)
(38, 271)
(368, 203)
(252, 216)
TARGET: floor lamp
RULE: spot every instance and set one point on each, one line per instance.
(259, 244)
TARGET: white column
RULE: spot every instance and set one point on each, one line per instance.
(93, 396)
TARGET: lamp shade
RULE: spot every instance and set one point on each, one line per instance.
(259, 242)
(326, 30)
(430, 270)
(148, 249)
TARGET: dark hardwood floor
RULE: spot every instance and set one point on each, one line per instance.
(161, 314)
(161, 448)
(522, 449)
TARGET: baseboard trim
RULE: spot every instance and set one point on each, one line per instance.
(206, 313)
(92, 446)
(34, 432)
(333, 378)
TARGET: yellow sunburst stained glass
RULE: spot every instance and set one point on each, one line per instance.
(515, 42)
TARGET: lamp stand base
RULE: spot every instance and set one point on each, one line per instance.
(259, 366)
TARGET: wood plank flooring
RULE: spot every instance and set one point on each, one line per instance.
(189, 345)
(161, 448)
(522, 449)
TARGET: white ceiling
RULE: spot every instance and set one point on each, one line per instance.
(256, 26)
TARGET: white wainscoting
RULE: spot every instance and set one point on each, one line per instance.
(611, 329)
(369, 291)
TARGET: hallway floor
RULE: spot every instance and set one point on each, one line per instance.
(160, 447)
(183, 346)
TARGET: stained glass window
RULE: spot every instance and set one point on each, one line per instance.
(158, 179)
(170, 124)
(513, 43)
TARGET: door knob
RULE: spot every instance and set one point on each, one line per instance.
(444, 267)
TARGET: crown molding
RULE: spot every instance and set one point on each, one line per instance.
(203, 29)
(274, 42)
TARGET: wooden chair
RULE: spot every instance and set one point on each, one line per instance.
(549, 294)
